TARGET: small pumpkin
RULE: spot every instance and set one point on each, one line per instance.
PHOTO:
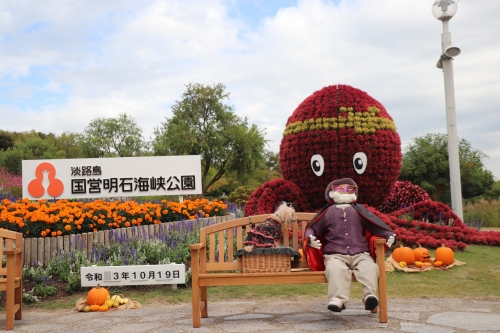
(97, 295)
(445, 255)
(405, 254)
(94, 307)
(103, 308)
(438, 263)
(108, 302)
(422, 254)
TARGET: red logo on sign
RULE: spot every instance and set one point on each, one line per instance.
(56, 186)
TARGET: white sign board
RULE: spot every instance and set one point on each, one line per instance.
(111, 177)
(133, 275)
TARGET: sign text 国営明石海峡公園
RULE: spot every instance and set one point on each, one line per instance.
(111, 177)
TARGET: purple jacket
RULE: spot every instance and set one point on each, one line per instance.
(342, 230)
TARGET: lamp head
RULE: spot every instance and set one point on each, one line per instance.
(444, 10)
(452, 51)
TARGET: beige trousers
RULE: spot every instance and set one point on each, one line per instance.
(338, 272)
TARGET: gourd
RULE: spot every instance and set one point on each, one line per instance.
(108, 302)
(445, 255)
(103, 308)
(405, 254)
(438, 264)
(422, 254)
(402, 264)
(86, 308)
(419, 264)
(119, 299)
(97, 295)
(94, 307)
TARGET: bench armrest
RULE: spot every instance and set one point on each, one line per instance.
(197, 246)
(15, 251)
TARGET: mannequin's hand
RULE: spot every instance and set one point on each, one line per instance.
(313, 242)
(391, 240)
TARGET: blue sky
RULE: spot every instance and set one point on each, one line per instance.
(66, 63)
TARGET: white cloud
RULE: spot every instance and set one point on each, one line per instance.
(136, 56)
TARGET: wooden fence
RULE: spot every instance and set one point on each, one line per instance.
(41, 250)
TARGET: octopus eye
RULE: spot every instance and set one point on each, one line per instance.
(317, 164)
(359, 160)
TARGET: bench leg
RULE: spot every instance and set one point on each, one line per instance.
(204, 301)
(9, 311)
(382, 296)
(19, 300)
(195, 294)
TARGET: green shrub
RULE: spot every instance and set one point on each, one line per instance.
(240, 195)
(488, 211)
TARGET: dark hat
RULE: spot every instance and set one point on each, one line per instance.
(342, 181)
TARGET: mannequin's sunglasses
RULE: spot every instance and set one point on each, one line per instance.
(345, 189)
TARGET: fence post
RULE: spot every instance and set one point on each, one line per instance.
(53, 247)
(27, 252)
(106, 237)
(60, 246)
(90, 241)
(66, 243)
(41, 248)
(34, 252)
(47, 252)
(72, 243)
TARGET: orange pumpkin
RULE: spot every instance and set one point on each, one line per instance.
(103, 308)
(405, 254)
(94, 308)
(97, 296)
(422, 254)
(445, 255)
(438, 264)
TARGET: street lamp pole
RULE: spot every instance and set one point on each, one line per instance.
(444, 10)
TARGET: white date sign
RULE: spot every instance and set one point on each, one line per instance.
(133, 275)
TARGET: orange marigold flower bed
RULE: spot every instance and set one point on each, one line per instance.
(44, 218)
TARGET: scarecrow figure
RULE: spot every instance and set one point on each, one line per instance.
(269, 233)
(337, 240)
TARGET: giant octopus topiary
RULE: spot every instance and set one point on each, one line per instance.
(342, 132)
(337, 132)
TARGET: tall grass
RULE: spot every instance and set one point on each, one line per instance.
(485, 211)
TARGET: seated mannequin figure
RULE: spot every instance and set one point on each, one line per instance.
(337, 240)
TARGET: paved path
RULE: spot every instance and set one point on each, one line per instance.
(417, 315)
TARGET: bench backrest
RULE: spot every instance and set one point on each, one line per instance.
(10, 240)
(223, 240)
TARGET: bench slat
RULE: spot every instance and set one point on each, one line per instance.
(241, 279)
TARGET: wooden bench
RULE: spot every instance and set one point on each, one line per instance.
(214, 263)
(11, 274)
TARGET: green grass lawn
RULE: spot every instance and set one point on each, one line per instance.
(478, 278)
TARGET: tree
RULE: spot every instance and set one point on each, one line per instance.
(202, 124)
(6, 140)
(68, 144)
(33, 148)
(426, 164)
(109, 137)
